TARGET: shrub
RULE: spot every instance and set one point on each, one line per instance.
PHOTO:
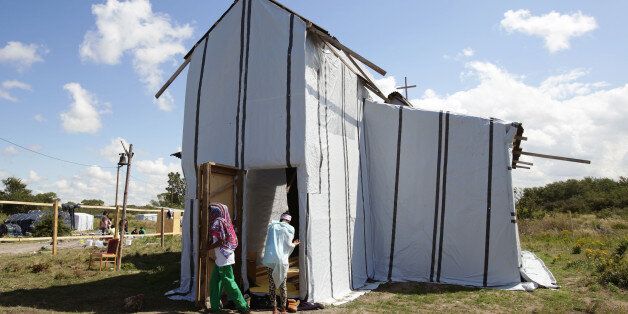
(43, 228)
(604, 197)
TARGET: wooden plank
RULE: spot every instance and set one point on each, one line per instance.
(334, 42)
(55, 226)
(583, 161)
(524, 163)
(92, 236)
(521, 138)
(173, 77)
(522, 167)
(26, 203)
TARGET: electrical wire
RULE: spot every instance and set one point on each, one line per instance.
(52, 157)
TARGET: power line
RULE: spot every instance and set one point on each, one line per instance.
(52, 157)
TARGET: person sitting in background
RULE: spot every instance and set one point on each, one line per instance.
(142, 230)
(105, 223)
(134, 231)
(279, 245)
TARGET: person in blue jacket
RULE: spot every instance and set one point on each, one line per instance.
(280, 243)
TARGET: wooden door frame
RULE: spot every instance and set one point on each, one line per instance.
(205, 192)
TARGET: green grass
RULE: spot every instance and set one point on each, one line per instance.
(62, 283)
(553, 239)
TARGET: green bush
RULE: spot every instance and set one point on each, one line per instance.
(44, 228)
(603, 197)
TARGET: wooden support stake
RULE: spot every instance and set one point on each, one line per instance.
(522, 167)
(163, 227)
(524, 163)
(583, 161)
(334, 42)
(55, 226)
(173, 77)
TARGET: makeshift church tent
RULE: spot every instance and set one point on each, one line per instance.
(386, 192)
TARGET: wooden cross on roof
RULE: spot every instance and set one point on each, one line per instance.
(406, 86)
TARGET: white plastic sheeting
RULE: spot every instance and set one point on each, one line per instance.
(439, 185)
(385, 193)
(534, 270)
(83, 221)
(147, 217)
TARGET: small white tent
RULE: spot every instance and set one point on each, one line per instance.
(386, 192)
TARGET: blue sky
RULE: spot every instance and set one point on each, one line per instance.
(467, 56)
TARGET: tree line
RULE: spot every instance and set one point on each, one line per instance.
(15, 189)
(601, 196)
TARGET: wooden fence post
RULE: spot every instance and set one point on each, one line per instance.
(55, 226)
(116, 224)
(163, 227)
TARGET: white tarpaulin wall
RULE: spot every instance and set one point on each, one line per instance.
(441, 197)
(244, 106)
(385, 192)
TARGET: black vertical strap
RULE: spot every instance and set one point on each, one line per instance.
(331, 260)
(246, 81)
(489, 190)
(394, 221)
(320, 138)
(308, 255)
(361, 117)
(237, 141)
(436, 195)
(444, 198)
(288, 91)
(198, 105)
(191, 219)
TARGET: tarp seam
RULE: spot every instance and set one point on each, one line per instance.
(361, 116)
(331, 264)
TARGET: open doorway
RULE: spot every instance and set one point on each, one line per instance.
(269, 193)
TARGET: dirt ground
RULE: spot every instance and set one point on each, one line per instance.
(33, 247)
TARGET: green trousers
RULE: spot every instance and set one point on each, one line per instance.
(222, 278)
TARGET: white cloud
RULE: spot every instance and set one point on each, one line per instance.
(6, 86)
(464, 53)
(113, 149)
(82, 117)
(35, 147)
(555, 28)
(157, 167)
(561, 116)
(33, 177)
(132, 27)
(20, 55)
(39, 117)
(565, 85)
(9, 151)
(467, 52)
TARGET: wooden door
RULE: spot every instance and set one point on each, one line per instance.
(217, 184)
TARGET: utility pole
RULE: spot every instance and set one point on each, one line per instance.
(129, 154)
(406, 86)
